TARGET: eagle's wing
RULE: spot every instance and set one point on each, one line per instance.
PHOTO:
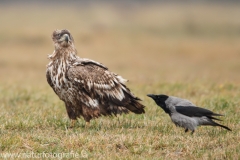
(83, 61)
(48, 76)
(49, 79)
(98, 83)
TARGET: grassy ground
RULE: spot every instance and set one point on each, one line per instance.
(190, 51)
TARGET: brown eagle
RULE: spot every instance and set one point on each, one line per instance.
(87, 88)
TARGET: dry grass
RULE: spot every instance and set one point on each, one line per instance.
(191, 51)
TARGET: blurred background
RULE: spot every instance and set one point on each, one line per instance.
(147, 42)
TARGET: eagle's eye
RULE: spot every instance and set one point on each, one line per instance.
(57, 35)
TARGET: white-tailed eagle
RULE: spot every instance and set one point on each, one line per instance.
(87, 88)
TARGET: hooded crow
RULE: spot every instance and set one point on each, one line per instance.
(185, 114)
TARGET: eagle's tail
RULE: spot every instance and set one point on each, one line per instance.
(131, 102)
(135, 107)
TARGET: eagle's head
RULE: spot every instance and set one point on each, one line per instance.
(62, 38)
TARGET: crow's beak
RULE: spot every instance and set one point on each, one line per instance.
(151, 95)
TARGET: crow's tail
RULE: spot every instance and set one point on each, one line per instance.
(225, 127)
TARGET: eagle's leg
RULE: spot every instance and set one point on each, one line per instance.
(71, 115)
(73, 122)
(87, 119)
(87, 124)
(186, 130)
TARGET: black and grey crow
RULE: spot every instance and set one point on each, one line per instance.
(184, 113)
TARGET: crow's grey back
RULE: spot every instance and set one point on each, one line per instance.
(175, 101)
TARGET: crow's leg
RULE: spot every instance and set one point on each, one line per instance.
(193, 131)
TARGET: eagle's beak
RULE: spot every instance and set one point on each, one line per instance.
(65, 38)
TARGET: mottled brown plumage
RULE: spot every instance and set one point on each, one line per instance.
(87, 87)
